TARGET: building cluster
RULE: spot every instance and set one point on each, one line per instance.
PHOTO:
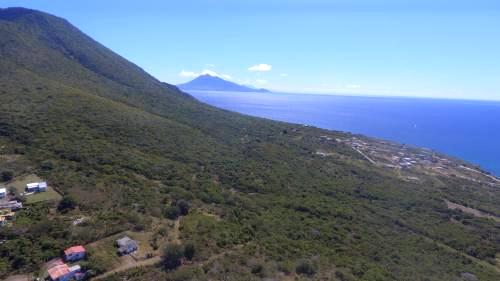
(66, 269)
(392, 155)
(8, 207)
(61, 271)
(402, 157)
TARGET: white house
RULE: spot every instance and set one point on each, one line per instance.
(126, 245)
(32, 187)
(3, 192)
(36, 187)
(13, 205)
(42, 186)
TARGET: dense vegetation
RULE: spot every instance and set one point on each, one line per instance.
(255, 199)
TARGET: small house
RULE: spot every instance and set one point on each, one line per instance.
(36, 187)
(74, 253)
(6, 216)
(126, 245)
(62, 272)
(9, 215)
(32, 187)
(42, 186)
(3, 192)
(13, 205)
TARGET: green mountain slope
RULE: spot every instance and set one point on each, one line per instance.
(125, 146)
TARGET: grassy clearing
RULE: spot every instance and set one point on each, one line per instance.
(105, 250)
(20, 184)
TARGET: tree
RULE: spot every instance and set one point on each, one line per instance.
(47, 165)
(183, 207)
(172, 212)
(67, 203)
(12, 191)
(189, 251)
(172, 256)
(305, 267)
(7, 175)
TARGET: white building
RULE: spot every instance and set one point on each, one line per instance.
(42, 186)
(3, 192)
(36, 187)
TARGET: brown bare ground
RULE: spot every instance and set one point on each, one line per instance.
(20, 277)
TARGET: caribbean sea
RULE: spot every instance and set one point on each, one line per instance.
(469, 130)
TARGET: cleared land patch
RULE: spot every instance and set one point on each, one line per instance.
(472, 211)
(20, 184)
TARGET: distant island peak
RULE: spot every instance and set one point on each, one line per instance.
(207, 82)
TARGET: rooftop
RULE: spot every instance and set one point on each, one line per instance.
(58, 271)
(124, 241)
(74, 249)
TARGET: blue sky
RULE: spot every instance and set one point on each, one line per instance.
(427, 48)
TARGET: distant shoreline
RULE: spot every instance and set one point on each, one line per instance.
(459, 128)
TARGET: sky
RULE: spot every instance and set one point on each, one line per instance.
(419, 48)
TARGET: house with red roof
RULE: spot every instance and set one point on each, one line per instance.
(62, 272)
(75, 253)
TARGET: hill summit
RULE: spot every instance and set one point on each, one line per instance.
(208, 82)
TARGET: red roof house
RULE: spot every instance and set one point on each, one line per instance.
(74, 253)
(59, 273)
(62, 272)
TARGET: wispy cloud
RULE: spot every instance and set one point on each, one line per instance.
(283, 74)
(260, 68)
(192, 74)
(189, 74)
(260, 81)
(353, 86)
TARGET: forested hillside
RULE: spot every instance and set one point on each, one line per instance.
(125, 149)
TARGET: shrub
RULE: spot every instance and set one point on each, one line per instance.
(67, 203)
(183, 207)
(47, 165)
(172, 256)
(172, 212)
(257, 269)
(7, 175)
(13, 191)
(189, 251)
(305, 267)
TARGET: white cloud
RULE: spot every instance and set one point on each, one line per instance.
(283, 74)
(353, 86)
(260, 67)
(191, 74)
(260, 81)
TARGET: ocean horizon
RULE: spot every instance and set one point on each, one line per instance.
(465, 129)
